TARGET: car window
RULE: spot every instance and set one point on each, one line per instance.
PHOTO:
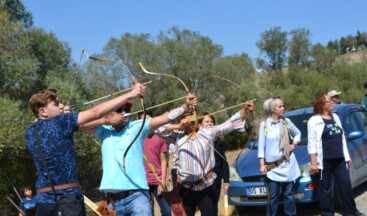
(301, 123)
(364, 119)
(355, 121)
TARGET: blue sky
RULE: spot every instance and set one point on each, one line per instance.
(236, 25)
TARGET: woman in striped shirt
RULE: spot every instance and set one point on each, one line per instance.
(196, 161)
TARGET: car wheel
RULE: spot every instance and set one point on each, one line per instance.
(338, 201)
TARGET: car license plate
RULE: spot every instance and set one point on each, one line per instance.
(256, 191)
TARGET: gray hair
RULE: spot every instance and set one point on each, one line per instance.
(270, 104)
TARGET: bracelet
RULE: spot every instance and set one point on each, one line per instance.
(173, 114)
(107, 120)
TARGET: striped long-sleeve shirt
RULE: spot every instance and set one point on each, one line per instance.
(196, 156)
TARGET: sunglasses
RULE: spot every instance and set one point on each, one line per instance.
(120, 110)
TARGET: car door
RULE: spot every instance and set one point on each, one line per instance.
(356, 120)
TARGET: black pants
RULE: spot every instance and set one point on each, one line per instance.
(51, 209)
(46, 209)
(218, 187)
(174, 177)
(336, 167)
(205, 199)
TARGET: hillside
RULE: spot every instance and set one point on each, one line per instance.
(354, 57)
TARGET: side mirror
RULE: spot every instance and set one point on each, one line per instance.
(250, 144)
(355, 135)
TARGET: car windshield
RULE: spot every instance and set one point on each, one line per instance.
(301, 123)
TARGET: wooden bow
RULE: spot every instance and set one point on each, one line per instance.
(246, 99)
(141, 100)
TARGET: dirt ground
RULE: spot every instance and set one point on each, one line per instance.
(302, 210)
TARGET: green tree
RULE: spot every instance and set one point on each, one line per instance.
(350, 42)
(361, 38)
(299, 47)
(324, 59)
(17, 12)
(333, 45)
(176, 52)
(274, 44)
(343, 45)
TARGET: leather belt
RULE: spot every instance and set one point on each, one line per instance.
(200, 182)
(58, 187)
(121, 195)
(271, 165)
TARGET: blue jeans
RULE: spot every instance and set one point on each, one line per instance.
(288, 193)
(137, 203)
(165, 209)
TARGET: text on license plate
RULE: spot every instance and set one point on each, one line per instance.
(256, 191)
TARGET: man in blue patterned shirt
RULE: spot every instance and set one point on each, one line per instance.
(55, 133)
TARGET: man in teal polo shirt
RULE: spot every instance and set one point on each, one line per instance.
(128, 190)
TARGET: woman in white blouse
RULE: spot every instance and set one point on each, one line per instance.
(275, 154)
(329, 155)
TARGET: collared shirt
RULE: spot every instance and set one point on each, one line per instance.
(172, 148)
(196, 156)
(171, 137)
(57, 143)
(114, 145)
(270, 151)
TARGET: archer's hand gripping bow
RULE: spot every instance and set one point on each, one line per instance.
(141, 99)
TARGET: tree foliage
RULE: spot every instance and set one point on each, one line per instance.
(299, 47)
(17, 12)
(274, 44)
(43, 61)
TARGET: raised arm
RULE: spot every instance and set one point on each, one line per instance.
(111, 118)
(107, 107)
(236, 122)
(247, 108)
(167, 117)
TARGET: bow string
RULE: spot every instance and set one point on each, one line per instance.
(141, 100)
(187, 91)
(246, 99)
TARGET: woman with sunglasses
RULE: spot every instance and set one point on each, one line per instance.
(329, 154)
(275, 154)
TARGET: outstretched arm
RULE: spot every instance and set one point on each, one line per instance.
(107, 107)
(236, 122)
(247, 108)
(165, 118)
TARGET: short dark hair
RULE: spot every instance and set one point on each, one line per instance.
(27, 187)
(365, 85)
(148, 112)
